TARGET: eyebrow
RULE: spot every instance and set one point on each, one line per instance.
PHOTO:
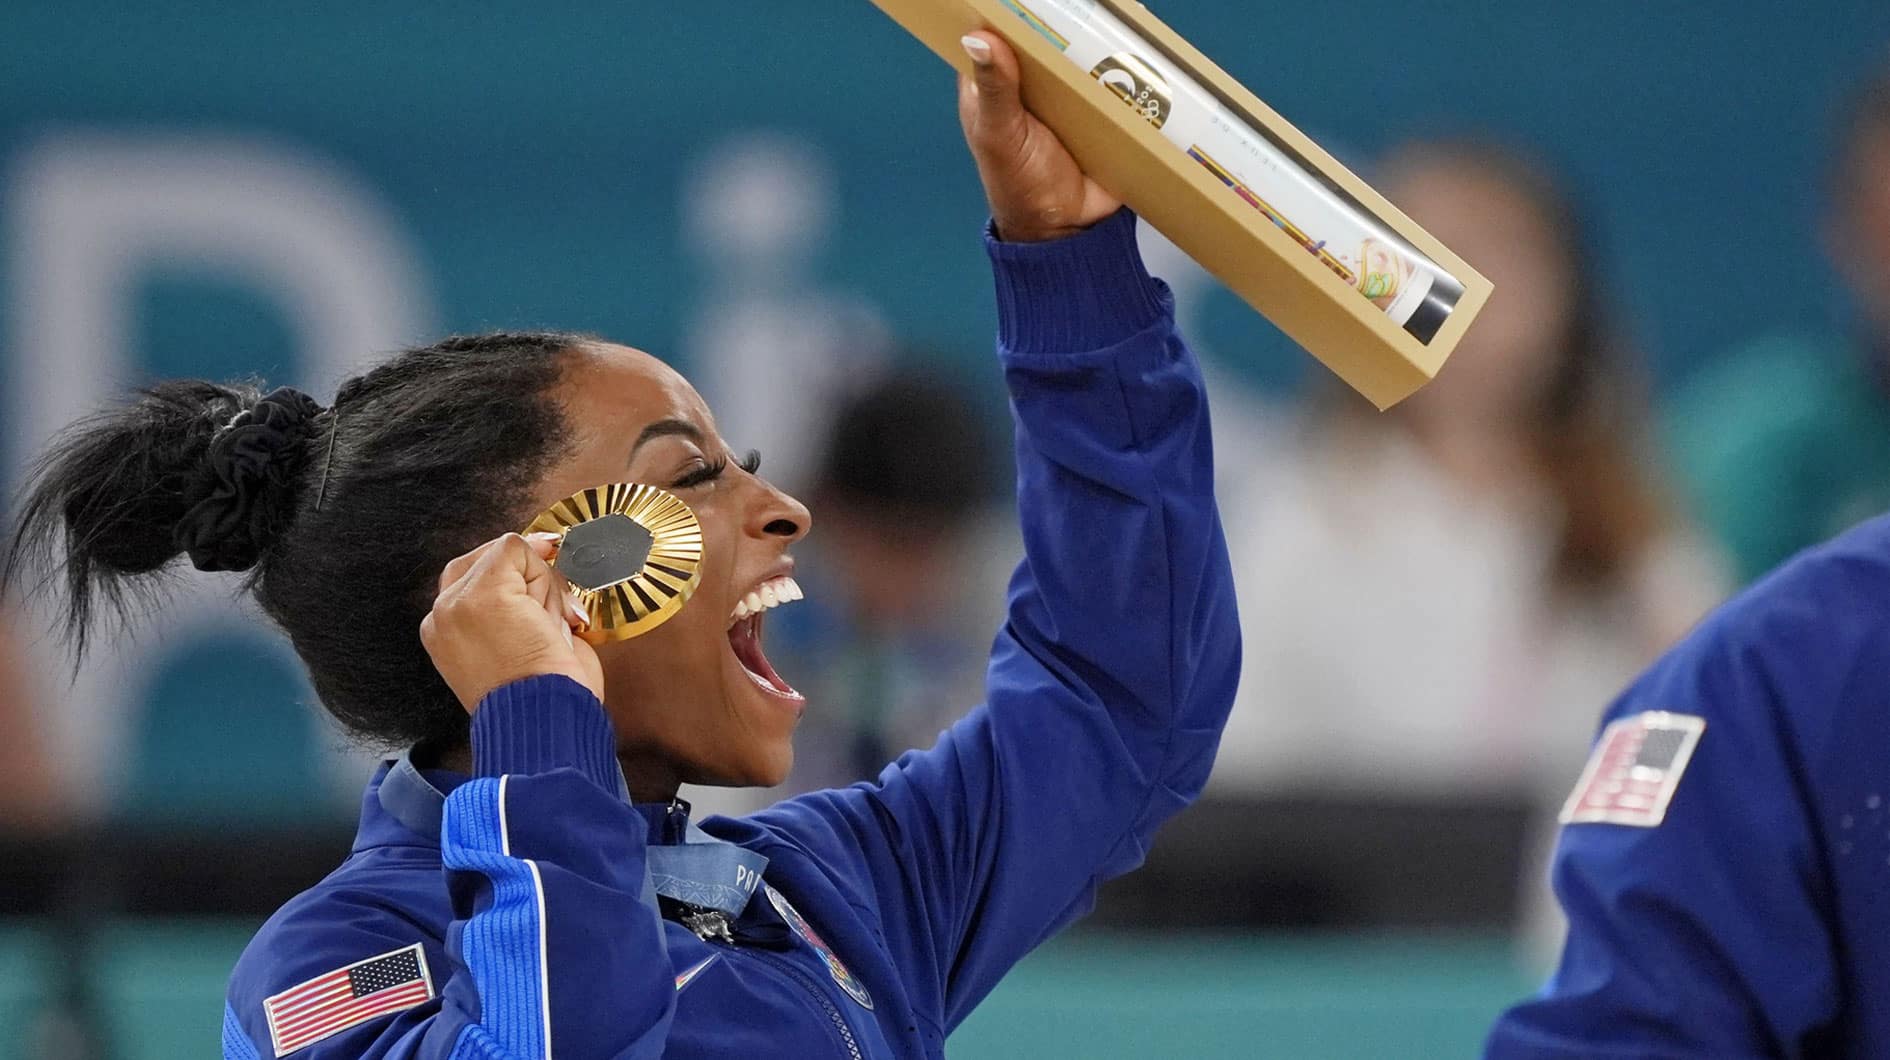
(666, 429)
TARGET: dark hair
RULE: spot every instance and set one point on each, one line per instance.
(912, 450)
(1584, 434)
(353, 511)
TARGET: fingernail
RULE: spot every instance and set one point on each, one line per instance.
(975, 47)
(545, 536)
(576, 611)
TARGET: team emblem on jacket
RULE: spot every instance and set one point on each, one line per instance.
(854, 988)
(347, 997)
(1634, 770)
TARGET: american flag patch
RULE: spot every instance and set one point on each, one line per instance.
(1636, 765)
(329, 1004)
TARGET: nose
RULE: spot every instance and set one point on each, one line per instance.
(778, 515)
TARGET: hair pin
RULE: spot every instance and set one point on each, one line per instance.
(334, 428)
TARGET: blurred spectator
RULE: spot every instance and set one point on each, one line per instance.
(1439, 601)
(904, 577)
(32, 800)
(1786, 440)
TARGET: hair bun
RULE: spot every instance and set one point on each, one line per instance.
(245, 495)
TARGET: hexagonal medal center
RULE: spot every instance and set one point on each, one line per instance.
(603, 552)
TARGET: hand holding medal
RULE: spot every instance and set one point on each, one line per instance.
(503, 614)
(609, 562)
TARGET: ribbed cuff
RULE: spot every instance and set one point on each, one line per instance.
(544, 723)
(1083, 292)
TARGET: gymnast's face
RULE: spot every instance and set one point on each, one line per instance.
(695, 700)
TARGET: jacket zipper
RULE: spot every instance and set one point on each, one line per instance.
(813, 989)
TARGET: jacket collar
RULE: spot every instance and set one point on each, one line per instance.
(412, 798)
(404, 804)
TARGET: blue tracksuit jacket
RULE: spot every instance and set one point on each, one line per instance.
(525, 886)
(1754, 921)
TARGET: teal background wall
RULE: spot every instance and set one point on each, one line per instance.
(537, 154)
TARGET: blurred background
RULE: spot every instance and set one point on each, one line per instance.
(1682, 380)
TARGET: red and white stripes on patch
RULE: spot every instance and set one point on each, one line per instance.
(1634, 770)
(347, 997)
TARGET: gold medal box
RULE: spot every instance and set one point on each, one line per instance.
(1235, 186)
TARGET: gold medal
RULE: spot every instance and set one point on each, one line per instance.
(632, 553)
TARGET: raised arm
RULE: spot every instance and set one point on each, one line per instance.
(1113, 674)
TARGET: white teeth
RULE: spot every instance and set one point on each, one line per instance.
(772, 593)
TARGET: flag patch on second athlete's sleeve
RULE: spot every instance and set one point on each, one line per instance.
(347, 997)
(1635, 768)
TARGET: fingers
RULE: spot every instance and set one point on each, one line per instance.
(455, 570)
(563, 603)
(507, 562)
(544, 544)
(490, 566)
(989, 105)
(558, 606)
(504, 613)
(541, 582)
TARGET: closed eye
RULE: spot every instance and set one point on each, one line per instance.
(700, 476)
(707, 473)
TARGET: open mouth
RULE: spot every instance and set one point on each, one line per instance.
(744, 634)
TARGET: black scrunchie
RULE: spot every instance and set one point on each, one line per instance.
(246, 492)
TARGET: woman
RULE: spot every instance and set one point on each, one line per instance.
(1442, 594)
(507, 896)
(32, 799)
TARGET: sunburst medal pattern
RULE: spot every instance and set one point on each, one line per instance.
(632, 553)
